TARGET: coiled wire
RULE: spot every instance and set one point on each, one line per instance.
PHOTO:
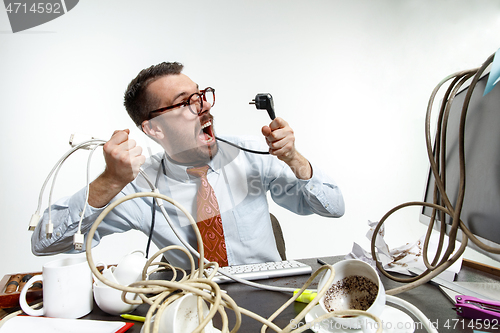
(200, 284)
(441, 203)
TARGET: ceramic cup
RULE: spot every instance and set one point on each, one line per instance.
(182, 316)
(109, 300)
(342, 299)
(107, 273)
(67, 289)
(129, 268)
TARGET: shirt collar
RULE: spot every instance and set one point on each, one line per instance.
(178, 171)
(225, 155)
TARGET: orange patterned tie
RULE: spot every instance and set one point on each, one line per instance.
(209, 219)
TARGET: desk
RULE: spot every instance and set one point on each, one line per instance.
(427, 298)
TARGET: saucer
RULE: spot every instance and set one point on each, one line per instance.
(393, 321)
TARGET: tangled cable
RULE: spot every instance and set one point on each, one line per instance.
(441, 203)
(199, 283)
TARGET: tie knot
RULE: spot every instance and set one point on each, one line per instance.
(198, 171)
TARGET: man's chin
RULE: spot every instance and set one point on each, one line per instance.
(212, 149)
(197, 156)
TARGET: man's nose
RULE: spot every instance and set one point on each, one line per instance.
(204, 107)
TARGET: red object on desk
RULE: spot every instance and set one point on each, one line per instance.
(125, 328)
(50, 325)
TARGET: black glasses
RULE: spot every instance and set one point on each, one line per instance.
(194, 102)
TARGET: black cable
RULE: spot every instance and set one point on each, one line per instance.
(152, 227)
(153, 212)
(242, 148)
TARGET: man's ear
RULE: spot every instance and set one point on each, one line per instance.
(152, 129)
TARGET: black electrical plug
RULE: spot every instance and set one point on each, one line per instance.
(264, 102)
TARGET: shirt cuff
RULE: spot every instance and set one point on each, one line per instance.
(76, 205)
(318, 187)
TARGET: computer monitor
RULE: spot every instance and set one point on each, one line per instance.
(481, 206)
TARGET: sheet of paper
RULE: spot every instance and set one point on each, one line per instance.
(405, 257)
(56, 325)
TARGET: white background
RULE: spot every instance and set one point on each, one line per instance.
(352, 78)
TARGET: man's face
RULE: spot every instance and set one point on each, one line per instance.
(187, 138)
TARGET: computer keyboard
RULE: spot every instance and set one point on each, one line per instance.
(264, 270)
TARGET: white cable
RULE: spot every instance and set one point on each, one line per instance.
(61, 160)
(78, 237)
(88, 187)
(57, 169)
(36, 216)
(414, 310)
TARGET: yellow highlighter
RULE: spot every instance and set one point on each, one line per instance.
(306, 297)
(133, 317)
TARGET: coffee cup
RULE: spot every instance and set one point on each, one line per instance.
(182, 316)
(107, 272)
(109, 300)
(129, 268)
(67, 289)
(356, 285)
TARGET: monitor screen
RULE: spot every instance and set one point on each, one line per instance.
(481, 207)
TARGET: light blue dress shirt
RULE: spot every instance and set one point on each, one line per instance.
(241, 181)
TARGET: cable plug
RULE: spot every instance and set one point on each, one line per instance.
(49, 229)
(34, 221)
(78, 240)
(264, 102)
(77, 138)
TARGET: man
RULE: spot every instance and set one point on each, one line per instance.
(171, 109)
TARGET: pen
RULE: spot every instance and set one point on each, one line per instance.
(321, 262)
(133, 317)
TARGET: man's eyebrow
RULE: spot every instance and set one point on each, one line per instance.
(182, 94)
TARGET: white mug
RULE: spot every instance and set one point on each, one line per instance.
(67, 289)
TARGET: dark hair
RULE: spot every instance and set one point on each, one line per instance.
(136, 100)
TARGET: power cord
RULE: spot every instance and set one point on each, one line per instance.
(243, 148)
(442, 204)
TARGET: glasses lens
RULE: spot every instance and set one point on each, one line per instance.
(210, 96)
(195, 103)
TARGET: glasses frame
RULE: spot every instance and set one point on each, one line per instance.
(201, 98)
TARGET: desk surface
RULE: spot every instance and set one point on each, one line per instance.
(427, 298)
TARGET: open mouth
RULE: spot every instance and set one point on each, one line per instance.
(206, 134)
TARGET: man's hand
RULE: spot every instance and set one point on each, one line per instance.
(123, 161)
(123, 158)
(281, 141)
